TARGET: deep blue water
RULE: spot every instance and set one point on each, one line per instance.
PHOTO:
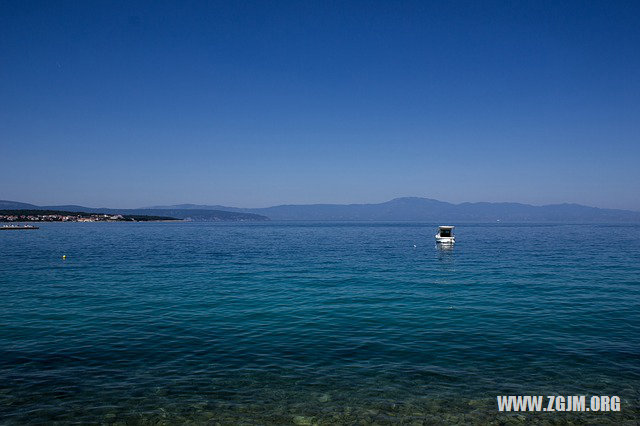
(314, 322)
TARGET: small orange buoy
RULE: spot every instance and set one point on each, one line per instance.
(64, 257)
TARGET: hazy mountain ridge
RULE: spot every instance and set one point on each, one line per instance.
(427, 209)
(15, 205)
(398, 209)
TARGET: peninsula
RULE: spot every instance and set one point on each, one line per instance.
(87, 214)
(65, 216)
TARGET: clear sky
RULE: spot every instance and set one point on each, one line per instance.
(249, 104)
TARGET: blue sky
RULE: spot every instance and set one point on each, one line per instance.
(127, 104)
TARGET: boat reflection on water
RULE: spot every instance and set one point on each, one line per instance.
(444, 248)
(445, 253)
(446, 266)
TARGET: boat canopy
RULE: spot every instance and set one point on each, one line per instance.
(445, 231)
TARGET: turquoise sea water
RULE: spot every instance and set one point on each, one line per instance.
(304, 323)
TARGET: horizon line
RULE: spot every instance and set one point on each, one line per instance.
(330, 204)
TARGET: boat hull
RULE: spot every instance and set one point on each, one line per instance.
(17, 228)
(445, 240)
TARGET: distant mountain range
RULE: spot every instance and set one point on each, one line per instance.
(399, 209)
(429, 210)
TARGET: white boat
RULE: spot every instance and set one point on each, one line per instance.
(16, 227)
(445, 235)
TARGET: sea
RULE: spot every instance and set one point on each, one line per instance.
(316, 322)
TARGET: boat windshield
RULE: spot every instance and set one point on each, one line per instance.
(445, 232)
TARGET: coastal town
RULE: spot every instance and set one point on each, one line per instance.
(62, 216)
